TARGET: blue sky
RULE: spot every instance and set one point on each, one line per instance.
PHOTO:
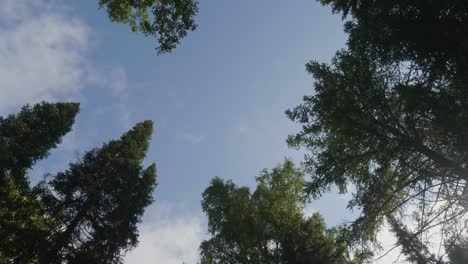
(217, 101)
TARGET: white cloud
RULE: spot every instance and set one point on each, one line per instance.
(113, 77)
(43, 56)
(309, 210)
(14, 11)
(389, 253)
(41, 52)
(168, 236)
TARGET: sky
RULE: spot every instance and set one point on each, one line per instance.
(217, 101)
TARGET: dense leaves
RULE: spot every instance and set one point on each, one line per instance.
(432, 33)
(267, 226)
(26, 138)
(167, 20)
(87, 214)
(389, 116)
(396, 139)
(458, 251)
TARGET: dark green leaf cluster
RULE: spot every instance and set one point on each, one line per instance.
(267, 226)
(458, 251)
(431, 33)
(24, 139)
(167, 20)
(87, 214)
(388, 133)
(389, 115)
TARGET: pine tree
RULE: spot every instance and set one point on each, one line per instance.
(26, 138)
(87, 214)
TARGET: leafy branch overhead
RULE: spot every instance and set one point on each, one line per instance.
(389, 115)
(167, 20)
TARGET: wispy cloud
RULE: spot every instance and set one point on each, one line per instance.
(388, 254)
(112, 77)
(191, 138)
(41, 52)
(169, 236)
(44, 55)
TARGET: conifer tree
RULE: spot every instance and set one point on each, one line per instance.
(87, 214)
(26, 138)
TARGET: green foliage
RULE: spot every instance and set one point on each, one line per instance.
(389, 133)
(26, 138)
(458, 252)
(415, 250)
(267, 226)
(87, 214)
(167, 20)
(431, 33)
(389, 117)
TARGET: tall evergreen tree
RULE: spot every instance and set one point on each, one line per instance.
(87, 214)
(26, 138)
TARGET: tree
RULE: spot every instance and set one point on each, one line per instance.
(24, 139)
(267, 226)
(431, 33)
(399, 140)
(458, 251)
(87, 214)
(167, 20)
(389, 116)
